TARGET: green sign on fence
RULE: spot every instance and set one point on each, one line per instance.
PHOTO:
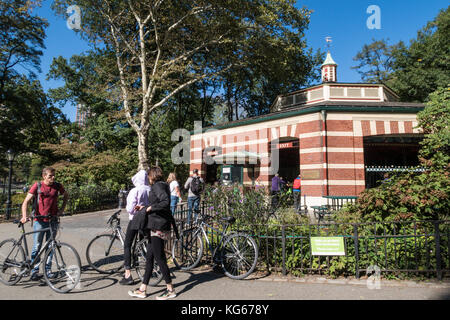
(327, 246)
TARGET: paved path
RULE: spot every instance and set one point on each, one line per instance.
(207, 284)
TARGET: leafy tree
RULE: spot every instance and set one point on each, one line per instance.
(21, 38)
(26, 115)
(413, 71)
(375, 62)
(413, 195)
(160, 46)
(424, 66)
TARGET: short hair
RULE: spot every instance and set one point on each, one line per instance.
(195, 171)
(47, 170)
(155, 174)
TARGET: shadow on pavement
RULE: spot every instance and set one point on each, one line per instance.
(195, 279)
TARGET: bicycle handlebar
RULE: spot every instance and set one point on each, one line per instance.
(114, 217)
(52, 217)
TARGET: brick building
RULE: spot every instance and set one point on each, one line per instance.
(332, 134)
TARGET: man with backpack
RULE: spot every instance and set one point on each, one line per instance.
(45, 193)
(296, 191)
(195, 185)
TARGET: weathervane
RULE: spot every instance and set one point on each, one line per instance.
(329, 41)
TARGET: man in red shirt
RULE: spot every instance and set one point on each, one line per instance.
(47, 206)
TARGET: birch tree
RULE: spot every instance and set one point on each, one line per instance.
(161, 47)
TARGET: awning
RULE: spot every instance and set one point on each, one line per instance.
(238, 157)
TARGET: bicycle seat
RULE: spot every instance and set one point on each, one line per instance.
(230, 220)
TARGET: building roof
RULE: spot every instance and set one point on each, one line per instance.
(331, 106)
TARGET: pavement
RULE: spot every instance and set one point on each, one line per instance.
(205, 284)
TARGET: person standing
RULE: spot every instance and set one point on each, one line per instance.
(297, 193)
(175, 193)
(195, 186)
(138, 196)
(277, 185)
(45, 193)
(159, 222)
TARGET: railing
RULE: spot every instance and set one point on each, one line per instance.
(375, 174)
(419, 248)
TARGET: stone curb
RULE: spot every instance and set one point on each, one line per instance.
(358, 282)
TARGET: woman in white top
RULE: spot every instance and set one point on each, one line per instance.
(174, 191)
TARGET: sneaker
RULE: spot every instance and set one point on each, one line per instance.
(137, 293)
(126, 281)
(35, 277)
(54, 275)
(167, 295)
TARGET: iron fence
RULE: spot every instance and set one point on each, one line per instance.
(418, 248)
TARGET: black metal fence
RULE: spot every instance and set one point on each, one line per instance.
(413, 248)
(79, 201)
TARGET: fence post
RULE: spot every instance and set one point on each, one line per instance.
(355, 238)
(437, 240)
(283, 244)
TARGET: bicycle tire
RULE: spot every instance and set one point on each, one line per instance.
(65, 272)
(188, 250)
(105, 253)
(139, 263)
(11, 264)
(239, 256)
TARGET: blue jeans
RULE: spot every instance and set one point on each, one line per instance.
(193, 203)
(38, 238)
(173, 203)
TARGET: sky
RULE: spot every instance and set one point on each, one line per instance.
(347, 22)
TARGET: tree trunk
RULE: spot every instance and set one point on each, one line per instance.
(142, 150)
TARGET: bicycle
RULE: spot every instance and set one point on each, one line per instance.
(62, 262)
(236, 252)
(104, 252)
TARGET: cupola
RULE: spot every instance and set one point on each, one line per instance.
(329, 69)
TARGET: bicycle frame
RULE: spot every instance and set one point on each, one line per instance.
(32, 263)
(114, 222)
(201, 228)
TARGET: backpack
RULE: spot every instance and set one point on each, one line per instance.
(196, 185)
(297, 184)
(35, 208)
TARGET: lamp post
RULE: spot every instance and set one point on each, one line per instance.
(10, 156)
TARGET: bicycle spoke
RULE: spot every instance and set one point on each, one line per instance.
(62, 268)
(105, 253)
(239, 256)
(11, 258)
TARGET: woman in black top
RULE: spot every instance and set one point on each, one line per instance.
(159, 223)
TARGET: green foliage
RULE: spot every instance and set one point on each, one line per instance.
(249, 207)
(435, 123)
(413, 71)
(90, 197)
(390, 246)
(414, 195)
(423, 66)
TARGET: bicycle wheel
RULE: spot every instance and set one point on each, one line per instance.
(105, 253)
(188, 250)
(11, 257)
(139, 262)
(62, 267)
(239, 256)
